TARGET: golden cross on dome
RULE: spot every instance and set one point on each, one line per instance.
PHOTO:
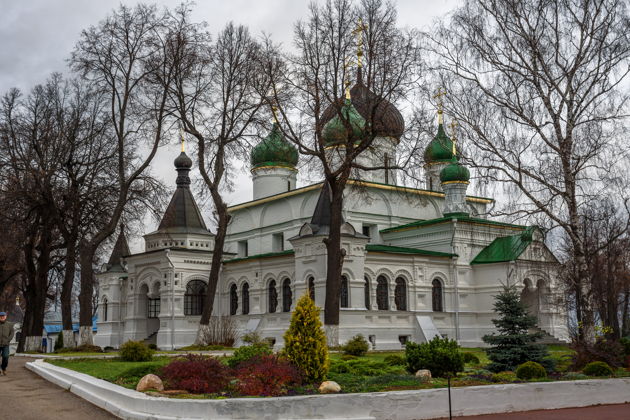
(453, 126)
(346, 65)
(440, 103)
(358, 33)
(182, 138)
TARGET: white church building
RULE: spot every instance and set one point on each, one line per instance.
(419, 262)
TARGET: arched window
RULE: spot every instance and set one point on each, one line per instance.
(400, 294)
(245, 297)
(273, 297)
(311, 288)
(436, 295)
(382, 294)
(343, 293)
(287, 296)
(104, 308)
(195, 297)
(233, 299)
(366, 292)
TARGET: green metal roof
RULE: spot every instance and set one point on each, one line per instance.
(440, 149)
(400, 250)
(259, 256)
(464, 219)
(455, 172)
(507, 248)
(274, 150)
(335, 131)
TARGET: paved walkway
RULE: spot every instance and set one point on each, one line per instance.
(26, 396)
(600, 412)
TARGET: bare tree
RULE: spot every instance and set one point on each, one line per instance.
(536, 86)
(29, 165)
(124, 59)
(310, 88)
(218, 92)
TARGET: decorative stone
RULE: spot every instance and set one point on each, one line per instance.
(424, 375)
(150, 381)
(329, 387)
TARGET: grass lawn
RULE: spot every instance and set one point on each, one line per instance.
(126, 374)
(369, 373)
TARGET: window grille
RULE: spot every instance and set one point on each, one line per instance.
(195, 297)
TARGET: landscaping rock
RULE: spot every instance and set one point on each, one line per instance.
(424, 375)
(329, 387)
(150, 381)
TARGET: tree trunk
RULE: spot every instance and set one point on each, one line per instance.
(215, 269)
(334, 259)
(66, 293)
(85, 296)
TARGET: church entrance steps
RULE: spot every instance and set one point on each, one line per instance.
(428, 330)
(402, 405)
(547, 338)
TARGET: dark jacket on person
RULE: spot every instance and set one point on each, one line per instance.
(6, 333)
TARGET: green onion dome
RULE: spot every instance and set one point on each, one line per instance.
(454, 172)
(335, 132)
(440, 149)
(274, 150)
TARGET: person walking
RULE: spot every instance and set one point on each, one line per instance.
(6, 335)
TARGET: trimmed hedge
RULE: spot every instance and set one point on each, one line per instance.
(530, 370)
(597, 369)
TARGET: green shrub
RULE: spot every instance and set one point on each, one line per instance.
(625, 342)
(59, 342)
(506, 376)
(572, 376)
(597, 369)
(211, 347)
(356, 346)
(530, 370)
(440, 355)
(395, 360)
(246, 353)
(305, 341)
(84, 348)
(470, 358)
(153, 346)
(135, 351)
(347, 357)
(364, 367)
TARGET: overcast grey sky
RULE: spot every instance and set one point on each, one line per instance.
(37, 36)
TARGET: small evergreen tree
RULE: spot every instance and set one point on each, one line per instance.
(305, 341)
(59, 341)
(514, 345)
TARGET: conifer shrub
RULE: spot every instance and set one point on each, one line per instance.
(196, 374)
(356, 346)
(266, 376)
(305, 341)
(347, 357)
(135, 351)
(83, 348)
(395, 360)
(363, 367)
(246, 353)
(530, 370)
(506, 376)
(59, 342)
(597, 369)
(440, 355)
(514, 344)
(470, 358)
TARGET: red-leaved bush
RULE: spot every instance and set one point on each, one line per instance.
(196, 374)
(267, 376)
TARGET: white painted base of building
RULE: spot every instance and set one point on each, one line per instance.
(398, 405)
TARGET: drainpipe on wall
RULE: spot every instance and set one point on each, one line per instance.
(120, 321)
(455, 281)
(172, 279)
